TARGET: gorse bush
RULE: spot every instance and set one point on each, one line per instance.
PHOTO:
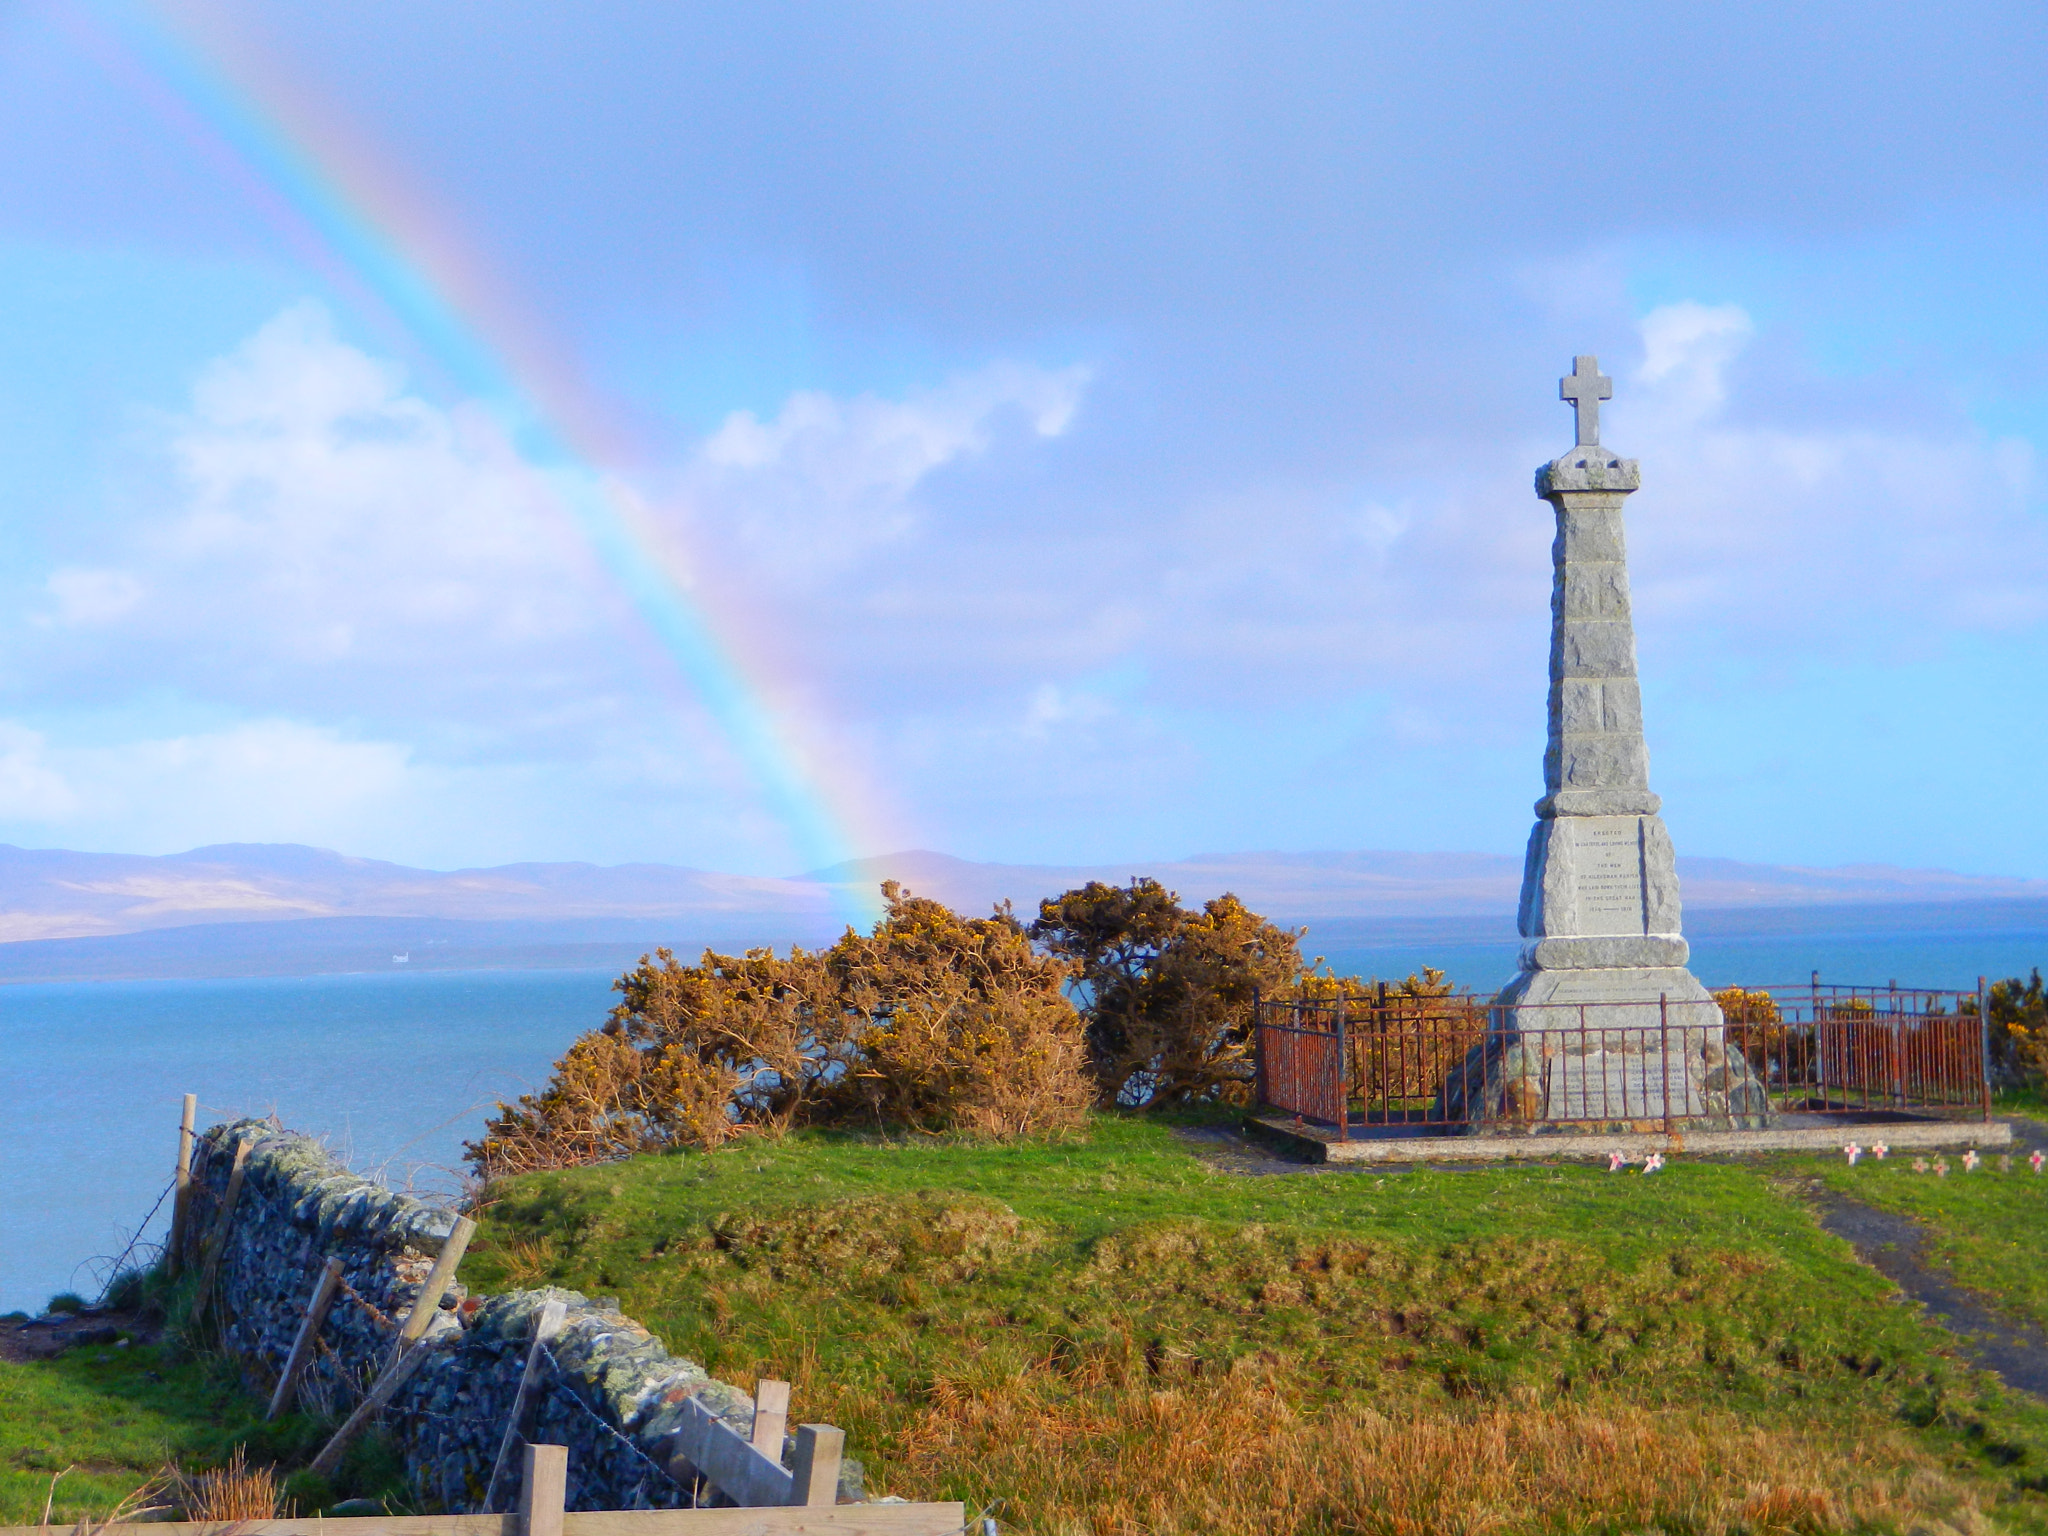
(2018, 1036)
(933, 1022)
(959, 1024)
(1168, 992)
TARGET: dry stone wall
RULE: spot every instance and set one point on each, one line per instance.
(610, 1392)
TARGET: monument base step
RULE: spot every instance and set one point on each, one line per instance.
(1793, 1133)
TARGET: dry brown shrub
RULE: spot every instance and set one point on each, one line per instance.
(1236, 1457)
(692, 1057)
(933, 1022)
(1170, 991)
(961, 1024)
(950, 1059)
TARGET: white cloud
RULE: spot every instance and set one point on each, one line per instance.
(1817, 540)
(339, 516)
(827, 478)
(1052, 706)
(86, 596)
(1687, 348)
(869, 446)
(264, 780)
(31, 789)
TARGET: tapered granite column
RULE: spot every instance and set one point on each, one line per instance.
(1600, 909)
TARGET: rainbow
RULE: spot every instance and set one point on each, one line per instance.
(353, 220)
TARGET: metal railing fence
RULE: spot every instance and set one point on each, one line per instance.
(1387, 1058)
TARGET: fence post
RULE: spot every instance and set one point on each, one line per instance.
(309, 1331)
(1664, 1042)
(181, 1202)
(381, 1392)
(1343, 1072)
(544, 1490)
(435, 1286)
(771, 1417)
(210, 1264)
(814, 1480)
(1984, 1041)
(1258, 1050)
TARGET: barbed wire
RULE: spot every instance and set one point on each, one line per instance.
(598, 1419)
(364, 1302)
(114, 1266)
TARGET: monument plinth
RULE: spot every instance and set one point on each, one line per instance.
(1604, 1023)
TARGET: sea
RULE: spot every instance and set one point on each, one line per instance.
(396, 1070)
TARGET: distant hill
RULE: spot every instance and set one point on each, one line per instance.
(1400, 885)
(285, 910)
(50, 894)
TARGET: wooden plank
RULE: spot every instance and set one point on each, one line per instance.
(771, 1417)
(710, 1447)
(218, 1240)
(385, 1388)
(815, 1480)
(436, 1286)
(546, 1324)
(843, 1520)
(309, 1331)
(543, 1490)
(840, 1520)
(181, 1202)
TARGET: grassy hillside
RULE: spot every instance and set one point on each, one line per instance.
(1107, 1334)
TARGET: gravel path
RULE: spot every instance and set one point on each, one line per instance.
(1895, 1246)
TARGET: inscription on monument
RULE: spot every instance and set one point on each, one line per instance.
(1623, 1085)
(1608, 863)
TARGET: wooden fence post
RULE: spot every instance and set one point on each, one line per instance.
(309, 1332)
(546, 1324)
(436, 1286)
(771, 1417)
(815, 1477)
(544, 1490)
(218, 1239)
(181, 1202)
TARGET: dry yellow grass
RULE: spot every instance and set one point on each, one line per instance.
(527, 1260)
(1238, 1458)
(236, 1491)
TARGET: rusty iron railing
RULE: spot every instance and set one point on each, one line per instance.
(1361, 1062)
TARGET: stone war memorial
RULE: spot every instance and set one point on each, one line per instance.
(1604, 1040)
(1604, 1024)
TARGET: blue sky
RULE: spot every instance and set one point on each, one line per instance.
(1108, 428)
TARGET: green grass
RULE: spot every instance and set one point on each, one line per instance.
(922, 1293)
(115, 1416)
(118, 1416)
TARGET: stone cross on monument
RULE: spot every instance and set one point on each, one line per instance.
(1604, 1023)
(1585, 387)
